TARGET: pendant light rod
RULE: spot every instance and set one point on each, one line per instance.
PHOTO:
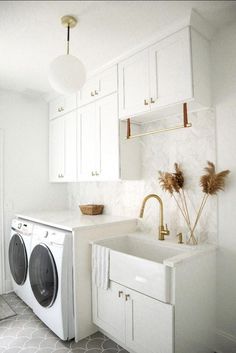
(68, 41)
(68, 22)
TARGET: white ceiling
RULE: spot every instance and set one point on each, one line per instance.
(31, 34)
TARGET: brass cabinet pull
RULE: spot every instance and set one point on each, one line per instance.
(96, 92)
(145, 102)
(120, 293)
(127, 297)
(92, 94)
(152, 101)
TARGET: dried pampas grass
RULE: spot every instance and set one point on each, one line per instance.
(211, 183)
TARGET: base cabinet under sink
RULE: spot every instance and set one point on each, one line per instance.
(142, 323)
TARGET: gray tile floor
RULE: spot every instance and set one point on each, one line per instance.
(25, 333)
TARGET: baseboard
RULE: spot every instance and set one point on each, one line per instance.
(225, 343)
(8, 286)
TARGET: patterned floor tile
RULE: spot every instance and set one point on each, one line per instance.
(25, 333)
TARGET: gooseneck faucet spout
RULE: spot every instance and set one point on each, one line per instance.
(162, 230)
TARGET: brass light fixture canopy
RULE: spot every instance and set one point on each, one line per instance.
(69, 21)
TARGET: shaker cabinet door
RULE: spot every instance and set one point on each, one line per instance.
(170, 70)
(134, 85)
(62, 148)
(56, 149)
(109, 310)
(89, 138)
(149, 324)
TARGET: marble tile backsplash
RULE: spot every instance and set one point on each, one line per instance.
(191, 148)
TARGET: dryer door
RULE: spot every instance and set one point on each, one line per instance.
(18, 259)
(43, 275)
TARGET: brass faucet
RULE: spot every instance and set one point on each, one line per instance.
(162, 230)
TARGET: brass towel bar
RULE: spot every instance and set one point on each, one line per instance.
(184, 125)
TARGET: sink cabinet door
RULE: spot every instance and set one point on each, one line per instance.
(109, 310)
(149, 324)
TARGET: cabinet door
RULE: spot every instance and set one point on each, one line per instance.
(70, 147)
(89, 155)
(56, 107)
(87, 94)
(106, 82)
(107, 111)
(134, 85)
(170, 70)
(109, 310)
(62, 105)
(99, 86)
(149, 324)
(56, 149)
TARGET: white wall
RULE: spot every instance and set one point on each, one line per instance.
(24, 121)
(224, 84)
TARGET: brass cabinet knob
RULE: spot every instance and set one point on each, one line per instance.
(127, 297)
(120, 293)
(145, 102)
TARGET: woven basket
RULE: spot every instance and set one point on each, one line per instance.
(91, 210)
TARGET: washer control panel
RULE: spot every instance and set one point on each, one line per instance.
(50, 235)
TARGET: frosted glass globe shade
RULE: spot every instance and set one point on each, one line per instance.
(67, 74)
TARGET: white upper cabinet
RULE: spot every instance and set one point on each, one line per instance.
(62, 148)
(170, 70)
(173, 71)
(134, 85)
(62, 105)
(89, 143)
(98, 86)
(98, 157)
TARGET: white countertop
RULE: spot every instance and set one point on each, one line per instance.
(70, 220)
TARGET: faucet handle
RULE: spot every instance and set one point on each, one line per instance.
(167, 230)
(180, 236)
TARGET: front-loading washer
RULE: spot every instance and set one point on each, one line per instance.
(51, 279)
(18, 256)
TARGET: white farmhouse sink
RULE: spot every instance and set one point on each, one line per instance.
(138, 262)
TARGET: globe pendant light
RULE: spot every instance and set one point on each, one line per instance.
(67, 73)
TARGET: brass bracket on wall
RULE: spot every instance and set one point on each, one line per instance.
(184, 125)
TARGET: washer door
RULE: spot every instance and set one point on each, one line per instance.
(18, 259)
(43, 275)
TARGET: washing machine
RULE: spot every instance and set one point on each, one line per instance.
(51, 279)
(18, 255)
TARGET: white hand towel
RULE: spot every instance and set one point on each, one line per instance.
(100, 265)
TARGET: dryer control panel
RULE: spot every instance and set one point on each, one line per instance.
(22, 227)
